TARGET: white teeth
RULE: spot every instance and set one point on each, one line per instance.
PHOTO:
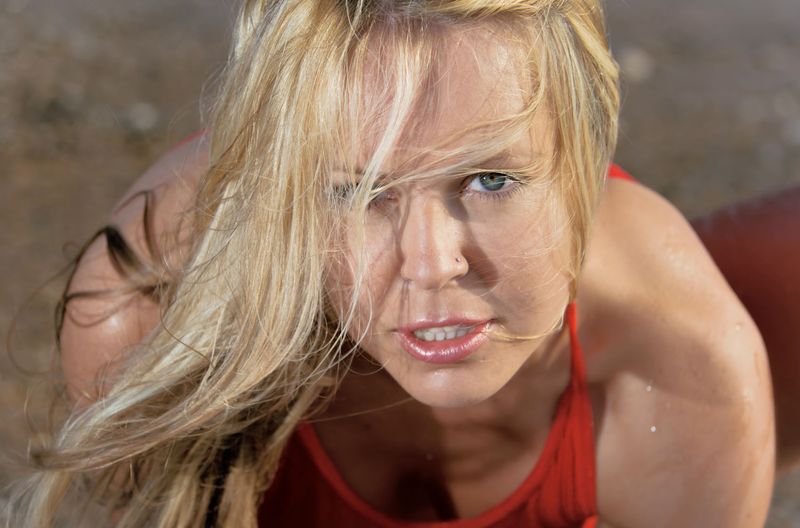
(442, 332)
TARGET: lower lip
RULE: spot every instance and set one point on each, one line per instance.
(446, 351)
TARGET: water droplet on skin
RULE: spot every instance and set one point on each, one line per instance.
(652, 428)
(649, 388)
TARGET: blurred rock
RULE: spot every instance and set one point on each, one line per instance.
(142, 117)
(637, 65)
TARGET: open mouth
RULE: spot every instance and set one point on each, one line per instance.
(441, 333)
(444, 344)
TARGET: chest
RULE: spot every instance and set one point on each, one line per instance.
(477, 474)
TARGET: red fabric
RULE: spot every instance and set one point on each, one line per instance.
(309, 491)
(615, 171)
(191, 137)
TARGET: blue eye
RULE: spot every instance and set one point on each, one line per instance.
(490, 182)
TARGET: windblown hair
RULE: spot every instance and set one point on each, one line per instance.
(194, 422)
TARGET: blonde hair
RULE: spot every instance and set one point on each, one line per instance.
(195, 422)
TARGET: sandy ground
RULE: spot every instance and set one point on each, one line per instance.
(92, 92)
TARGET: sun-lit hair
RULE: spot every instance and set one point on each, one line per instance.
(191, 431)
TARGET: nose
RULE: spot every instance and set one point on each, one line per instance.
(431, 244)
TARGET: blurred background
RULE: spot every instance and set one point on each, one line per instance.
(92, 92)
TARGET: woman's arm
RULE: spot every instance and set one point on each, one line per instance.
(687, 437)
(756, 244)
(105, 314)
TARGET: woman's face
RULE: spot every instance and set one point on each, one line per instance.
(453, 263)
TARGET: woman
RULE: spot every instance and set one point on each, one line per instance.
(369, 297)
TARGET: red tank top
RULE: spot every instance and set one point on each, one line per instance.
(309, 492)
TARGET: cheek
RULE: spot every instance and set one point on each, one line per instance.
(531, 259)
(338, 286)
(537, 292)
(541, 268)
(360, 276)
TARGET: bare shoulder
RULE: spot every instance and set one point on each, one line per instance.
(686, 423)
(149, 218)
(171, 182)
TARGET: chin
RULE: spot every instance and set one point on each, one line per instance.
(448, 391)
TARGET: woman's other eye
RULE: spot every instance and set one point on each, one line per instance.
(343, 195)
(491, 182)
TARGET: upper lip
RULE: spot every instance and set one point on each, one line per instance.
(421, 324)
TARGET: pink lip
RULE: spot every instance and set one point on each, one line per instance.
(447, 351)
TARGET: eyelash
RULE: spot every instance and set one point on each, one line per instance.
(516, 184)
(344, 192)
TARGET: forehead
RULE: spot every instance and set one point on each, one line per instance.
(475, 80)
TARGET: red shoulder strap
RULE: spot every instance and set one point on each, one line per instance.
(616, 172)
(585, 461)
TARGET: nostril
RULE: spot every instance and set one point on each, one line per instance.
(430, 246)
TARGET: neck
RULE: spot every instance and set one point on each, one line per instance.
(371, 401)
